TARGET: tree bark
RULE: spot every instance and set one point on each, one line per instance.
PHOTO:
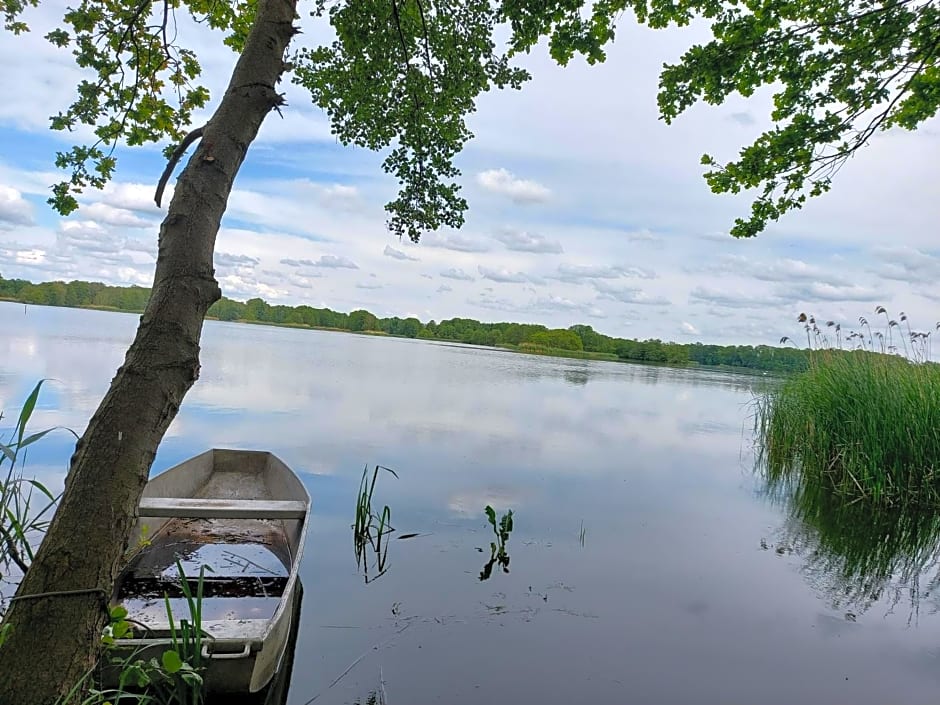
(55, 638)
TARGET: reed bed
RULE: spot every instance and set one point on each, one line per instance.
(862, 422)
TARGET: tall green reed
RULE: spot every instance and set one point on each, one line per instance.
(25, 503)
(863, 422)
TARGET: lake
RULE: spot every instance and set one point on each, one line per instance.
(648, 563)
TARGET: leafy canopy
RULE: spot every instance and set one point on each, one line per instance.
(402, 75)
(840, 70)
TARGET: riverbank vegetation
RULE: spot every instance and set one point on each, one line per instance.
(25, 503)
(580, 341)
(862, 423)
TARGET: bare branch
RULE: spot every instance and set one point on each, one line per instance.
(174, 158)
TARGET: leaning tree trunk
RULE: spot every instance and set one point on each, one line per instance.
(55, 637)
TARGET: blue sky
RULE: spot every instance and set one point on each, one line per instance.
(584, 207)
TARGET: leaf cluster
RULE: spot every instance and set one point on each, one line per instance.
(141, 82)
(404, 75)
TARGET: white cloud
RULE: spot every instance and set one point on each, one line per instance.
(584, 273)
(644, 236)
(14, 209)
(455, 273)
(454, 241)
(817, 291)
(242, 288)
(522, 241)
(340, 193)
(778, 270)
(518, 190)
(553, 303)
(302, 281)
(907, 264)
(24, 255)
(688, 329)
(224, 259)
(627, 294)
(132, 196)
(110, 215)
(129, 275)
(444, 288)
(88, 237)
(503, 276)
(727, 298)
(398, 254)
(335, 262)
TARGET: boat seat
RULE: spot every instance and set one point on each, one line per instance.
(198, 508)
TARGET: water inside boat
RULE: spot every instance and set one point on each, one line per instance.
(243, 579)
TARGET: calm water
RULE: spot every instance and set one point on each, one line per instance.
(691, 584)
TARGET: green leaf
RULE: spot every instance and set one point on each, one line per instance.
(32, 438)
(121, 630)
(8, 452)
(118, 612)
(191, 678)
(490, 515)
(27, 411)
(172, 662)
(42, 488)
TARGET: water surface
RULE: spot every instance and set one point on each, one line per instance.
(648, 565)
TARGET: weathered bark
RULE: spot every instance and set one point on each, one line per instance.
(55, 638)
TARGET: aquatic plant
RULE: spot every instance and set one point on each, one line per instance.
(863, 423)
(370, 530)
(498, 553)
(831, 335)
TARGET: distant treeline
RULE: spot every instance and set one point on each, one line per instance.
(522, 336)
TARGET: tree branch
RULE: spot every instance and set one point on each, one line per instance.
(174, 158)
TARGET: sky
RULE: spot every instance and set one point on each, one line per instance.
(585, 207)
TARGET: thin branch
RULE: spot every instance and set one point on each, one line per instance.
(166, 18)
(174, 158)
(427, 48)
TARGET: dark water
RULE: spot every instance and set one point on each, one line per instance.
(241, 581)
(648, 565)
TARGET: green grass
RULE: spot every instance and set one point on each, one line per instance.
(863, 425)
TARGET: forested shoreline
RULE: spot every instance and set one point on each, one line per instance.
(576, 341)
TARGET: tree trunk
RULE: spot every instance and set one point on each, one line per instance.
(55, 638)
